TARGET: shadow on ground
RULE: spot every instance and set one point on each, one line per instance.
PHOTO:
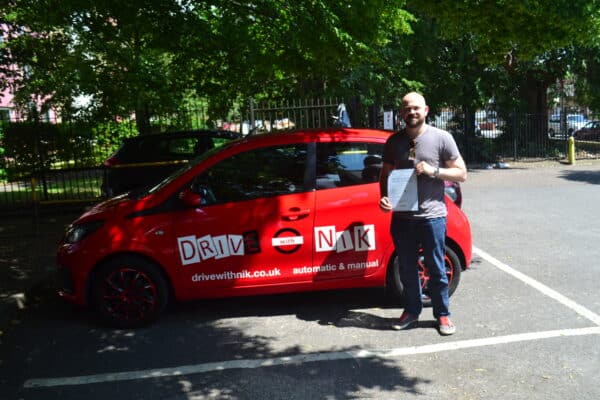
(591, 177)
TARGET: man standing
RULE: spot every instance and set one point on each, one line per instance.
(435, 157)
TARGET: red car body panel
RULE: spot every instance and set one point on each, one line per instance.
(316, 240)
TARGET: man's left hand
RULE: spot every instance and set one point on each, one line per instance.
(424, 168)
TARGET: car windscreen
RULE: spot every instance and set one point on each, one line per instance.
(186, 167)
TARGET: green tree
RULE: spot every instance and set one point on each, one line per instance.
(527, 38)
(147, 56)
(121, 55)
(587, 69)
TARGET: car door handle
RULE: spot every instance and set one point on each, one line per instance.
(295, 213)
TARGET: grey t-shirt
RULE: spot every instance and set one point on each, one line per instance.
(434, 146)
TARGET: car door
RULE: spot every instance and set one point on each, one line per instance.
(254, 229)
(351, 232)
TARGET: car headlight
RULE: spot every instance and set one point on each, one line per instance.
(77, 232)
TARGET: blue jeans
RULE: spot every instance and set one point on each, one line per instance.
(430, 234)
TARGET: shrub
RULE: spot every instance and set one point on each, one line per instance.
(109, 136)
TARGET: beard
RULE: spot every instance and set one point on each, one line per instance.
(413, 122)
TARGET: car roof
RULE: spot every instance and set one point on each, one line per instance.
(310, 135)
(321, 134)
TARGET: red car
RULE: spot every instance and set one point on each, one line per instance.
(272, 213)
(590, 131)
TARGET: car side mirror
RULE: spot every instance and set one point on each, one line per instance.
(190, 199)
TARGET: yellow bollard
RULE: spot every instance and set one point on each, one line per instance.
(571, 150)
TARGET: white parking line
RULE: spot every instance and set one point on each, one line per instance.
(579, 309)
(302, 358)
(332, 356)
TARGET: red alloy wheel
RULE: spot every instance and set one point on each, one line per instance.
(128, 295)
(452, 272)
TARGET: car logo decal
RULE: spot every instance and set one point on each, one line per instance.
(193, 249)
(360, 238)
(287, 241)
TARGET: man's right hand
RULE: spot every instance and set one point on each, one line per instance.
(385, 204)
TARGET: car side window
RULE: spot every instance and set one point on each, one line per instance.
(264, 172)
(181, 147)
(347, 164)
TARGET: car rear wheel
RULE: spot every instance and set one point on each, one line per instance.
(129, 292)
(453, 271)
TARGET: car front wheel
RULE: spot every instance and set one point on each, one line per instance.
(129, 292)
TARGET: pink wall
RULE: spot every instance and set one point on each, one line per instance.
(6, 99)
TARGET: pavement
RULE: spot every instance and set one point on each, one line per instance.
(28, 243)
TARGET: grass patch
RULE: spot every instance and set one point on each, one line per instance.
(60, 187)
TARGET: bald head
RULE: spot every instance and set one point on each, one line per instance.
(414, 98)
(414, 110)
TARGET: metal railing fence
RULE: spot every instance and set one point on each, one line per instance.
(51, 163)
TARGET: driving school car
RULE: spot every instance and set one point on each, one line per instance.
(272, 213)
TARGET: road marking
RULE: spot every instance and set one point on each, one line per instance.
(332, 356)
(579, 309)
(302, 358)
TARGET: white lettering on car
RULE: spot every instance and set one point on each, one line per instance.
(206, 247)
(286, 241)
(361, 238)
(231, 275)
(325, 238)
(187, 250)
(364, 237)
(193, 250)
(354, 266)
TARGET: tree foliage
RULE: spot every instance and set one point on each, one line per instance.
(508, 31)
(146, 56)
(523, 44)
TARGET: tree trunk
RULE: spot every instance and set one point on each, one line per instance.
(535, 93)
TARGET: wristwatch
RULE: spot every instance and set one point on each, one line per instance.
(436, 173)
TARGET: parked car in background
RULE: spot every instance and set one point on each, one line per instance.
(272, 213)
(148, 159)
(573, 123)
(488, 120)
(458, 126)
(590, 131)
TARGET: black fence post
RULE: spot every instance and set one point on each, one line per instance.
(514, 126)
(355, 117)
(40, 149)
(251, 127)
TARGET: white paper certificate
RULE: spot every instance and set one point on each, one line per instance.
(402, 190)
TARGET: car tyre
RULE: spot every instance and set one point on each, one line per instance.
(129, 292)
(453, 271)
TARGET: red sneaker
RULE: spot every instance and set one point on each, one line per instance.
(445, 326)
(406, 321)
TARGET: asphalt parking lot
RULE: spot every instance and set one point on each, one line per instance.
(528, 318)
